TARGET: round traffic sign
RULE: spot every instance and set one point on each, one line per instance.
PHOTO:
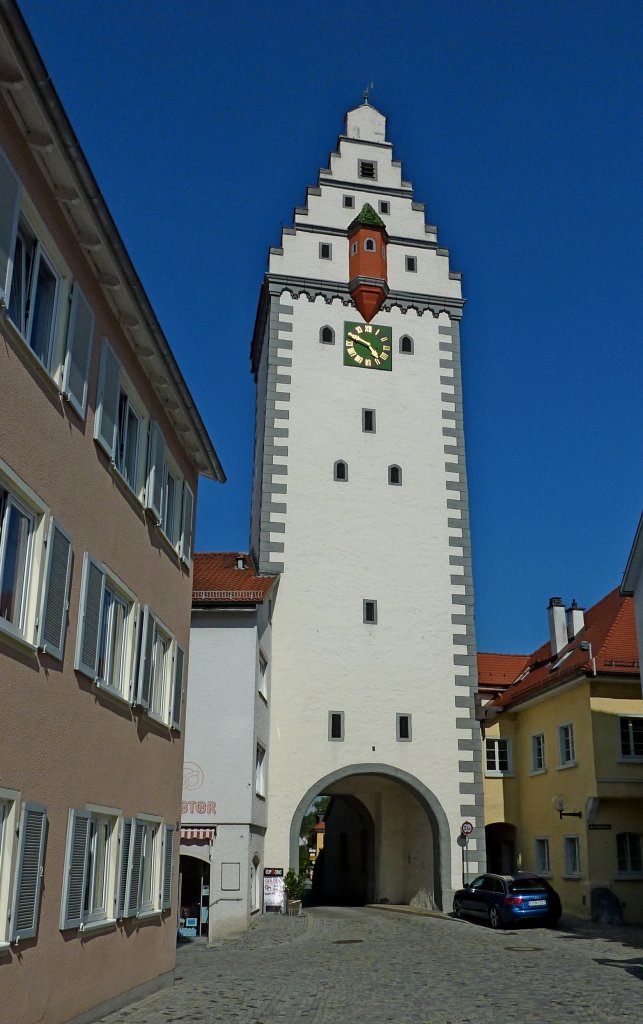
(466, 828)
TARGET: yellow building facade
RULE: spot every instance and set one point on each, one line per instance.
(563, 766)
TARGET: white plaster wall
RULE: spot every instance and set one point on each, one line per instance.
(364, 539)
(220, 727)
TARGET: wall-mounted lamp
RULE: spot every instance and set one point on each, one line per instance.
(559, 804)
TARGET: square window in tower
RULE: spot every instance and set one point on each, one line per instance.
(325, 251)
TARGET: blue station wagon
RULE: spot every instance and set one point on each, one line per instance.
(508, 900)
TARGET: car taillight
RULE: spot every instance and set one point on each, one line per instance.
(512, 901)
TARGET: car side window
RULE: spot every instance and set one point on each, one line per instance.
(489, 883)
(477, 883)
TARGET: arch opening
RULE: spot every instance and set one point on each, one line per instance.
(386, 839)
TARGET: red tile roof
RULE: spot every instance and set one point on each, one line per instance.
(216, 579)
(610, 629)
(500, 669)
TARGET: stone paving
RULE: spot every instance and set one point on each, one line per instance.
(342, 966)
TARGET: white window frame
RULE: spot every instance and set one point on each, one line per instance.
(170, 524)
(29, 224)
(572, 864)
(145, 830)
(81, 863)
(262, 675)
(624, 840)
(492, 744)
(323, 255)
(538, 752)
(384, 206)
(411, 264)
(128, 407)
(163, 707)
(566, 743)
(26, 501)
(94, 630)
(370, 245)
(543, 863)
(628, 755)
(260, 770)
(9, 813)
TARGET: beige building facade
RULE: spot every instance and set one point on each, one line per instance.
(100, 452)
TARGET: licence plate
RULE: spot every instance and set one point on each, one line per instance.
(537, 903)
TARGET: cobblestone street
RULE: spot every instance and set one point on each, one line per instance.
(339, 966)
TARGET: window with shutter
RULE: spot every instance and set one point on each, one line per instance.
(79, 347)
(155, 465)
(177, 692)
(187, 523)
(137, 842)
(109, 378)
(10, 191)
(91, 615)
(73, 897)
(23, 517)
(55, 597)
(144, 686)
(168, 860)
(124, 844)
(29, 871)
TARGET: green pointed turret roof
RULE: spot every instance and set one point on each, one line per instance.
(367, 218)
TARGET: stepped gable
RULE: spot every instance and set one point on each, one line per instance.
(609, 628)
(217, 580)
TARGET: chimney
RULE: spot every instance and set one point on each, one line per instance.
(557, 625)
(575, 620)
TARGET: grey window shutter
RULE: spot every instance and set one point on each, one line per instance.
(109, 385)
(144, 688)
(90, 618)
(132, 900)
(55, 595)
(29, 871)
(123, 868)
(177, 693)
(155, 461)
(168, 860)
(9, 209)
(187, 523)
(71, 908)
(79, 347)
(139, 616)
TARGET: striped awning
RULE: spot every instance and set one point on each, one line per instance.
(188, 832)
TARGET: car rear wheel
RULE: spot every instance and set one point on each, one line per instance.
(494, 918)
(457, 908)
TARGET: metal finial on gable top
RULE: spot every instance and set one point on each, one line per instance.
(366, 92)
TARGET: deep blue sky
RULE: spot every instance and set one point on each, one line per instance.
(520, 126)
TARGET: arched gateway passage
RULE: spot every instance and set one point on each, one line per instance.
(401, 826)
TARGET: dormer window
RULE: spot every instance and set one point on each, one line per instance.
(369, 245)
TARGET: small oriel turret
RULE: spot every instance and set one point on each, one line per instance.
(367, 240)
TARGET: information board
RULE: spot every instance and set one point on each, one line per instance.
(273, 889)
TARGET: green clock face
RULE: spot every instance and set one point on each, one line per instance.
(368, 346)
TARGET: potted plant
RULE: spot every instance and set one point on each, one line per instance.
(295, 887)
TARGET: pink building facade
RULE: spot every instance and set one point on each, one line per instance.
(100, 451)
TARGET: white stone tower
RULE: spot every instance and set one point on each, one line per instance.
(360, 502)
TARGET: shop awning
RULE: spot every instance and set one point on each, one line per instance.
(188, 832)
